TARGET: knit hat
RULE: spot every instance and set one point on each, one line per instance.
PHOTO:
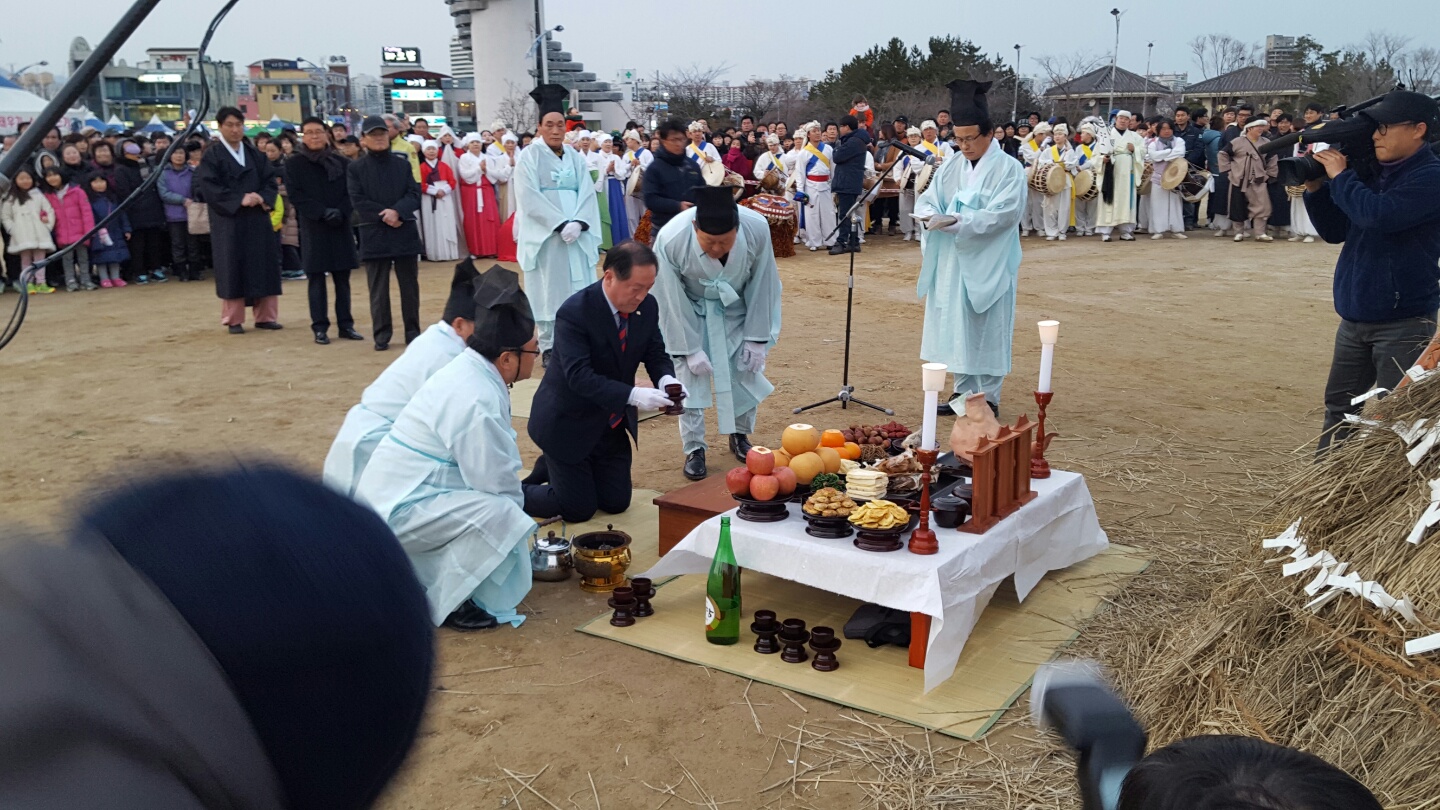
(308, 604)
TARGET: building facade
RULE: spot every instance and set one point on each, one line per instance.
(1282, 55)
(167, 84)
(284, 90)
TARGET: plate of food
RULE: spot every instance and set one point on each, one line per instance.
(827, 513)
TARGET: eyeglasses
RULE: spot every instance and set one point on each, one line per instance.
(970, 140)
(1385, 128)
(524, 351)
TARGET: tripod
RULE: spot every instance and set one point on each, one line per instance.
(847, 391)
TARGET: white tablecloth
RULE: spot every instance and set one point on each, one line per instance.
(1055, 530)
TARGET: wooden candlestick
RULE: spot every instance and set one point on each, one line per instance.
(1039, 467)
(922, 540)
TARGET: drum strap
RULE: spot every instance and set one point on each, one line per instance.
(930, 147)
(1087, 152)
(696, 154)
(818, 155)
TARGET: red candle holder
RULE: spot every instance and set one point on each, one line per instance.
(922, 540)
(1039, 467)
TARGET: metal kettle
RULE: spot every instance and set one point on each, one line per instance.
(550, 559)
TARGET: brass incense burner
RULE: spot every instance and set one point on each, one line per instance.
(602, 558)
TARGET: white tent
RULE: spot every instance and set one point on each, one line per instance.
(18, 106)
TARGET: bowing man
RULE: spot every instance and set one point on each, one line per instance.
(447, 476)
(584, 413)
(971, 252)
(719, 294)
(557, 228)
(368, 422)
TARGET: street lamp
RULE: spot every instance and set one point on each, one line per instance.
(1145, 100)
(15, 74)
(1015, 103)
(1114, 58)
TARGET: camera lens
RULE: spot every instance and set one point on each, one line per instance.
(1297, 171)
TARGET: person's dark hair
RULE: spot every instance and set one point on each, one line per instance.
(98, 145)
(226, 113)
(1196, 112)
(1182, 108)
(262, 137)
(1245, 107)
(74, 137)
(1316, 106)
(1285, 117)
(314, 119)
(45, 175)
(850, 122)
(669, 127)
(628, 255)
(947, 112)
(17, 193)
(350, 139)
(745, 118)
(1239, 773)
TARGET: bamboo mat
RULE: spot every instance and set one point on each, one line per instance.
(641, 521)
(1009, 642)
(523, 393)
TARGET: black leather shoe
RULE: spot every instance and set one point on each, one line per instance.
(380, 347)
(351, 334)
(271, 325)
(470, 616)
(945, 409)
(237, 329)
(836, 250)
(321, 338)
(740, 445)
(695, 466)
(995, 409)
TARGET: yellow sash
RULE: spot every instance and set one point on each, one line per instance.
(930, 147)
(810, 147)
(698, 152)
(775, 161)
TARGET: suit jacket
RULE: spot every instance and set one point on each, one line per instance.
(589, 379)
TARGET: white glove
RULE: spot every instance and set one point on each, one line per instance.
(649, 399)
(570, 232)
(668, 380)
(699, 364)
(953, 227)
(752, 357)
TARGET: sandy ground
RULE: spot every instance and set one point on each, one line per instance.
(1202, 339)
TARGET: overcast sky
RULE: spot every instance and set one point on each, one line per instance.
(713, 33)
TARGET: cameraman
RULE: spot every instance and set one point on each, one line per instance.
(1387, 287)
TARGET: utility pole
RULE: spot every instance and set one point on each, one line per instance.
(1114, 58)
(1145, 102)
(1015, 104)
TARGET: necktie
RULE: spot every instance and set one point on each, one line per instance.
(617, 418)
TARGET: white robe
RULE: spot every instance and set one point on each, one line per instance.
(1033, 217)
(820, 209)
(1055, 208)
(903, 173)
(769, 161)
(693, 153)
(381, 402)
(635, 203)
(550, 191)
(715, 308)
(1166, 211)
(968, 278)
(1127, 168)
(437, 221)
(447, 481)
(499, 171)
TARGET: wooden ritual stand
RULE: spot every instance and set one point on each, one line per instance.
(1001, 478)
(683, 509)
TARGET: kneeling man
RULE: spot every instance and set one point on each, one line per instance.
(584, 413)
(447, 476)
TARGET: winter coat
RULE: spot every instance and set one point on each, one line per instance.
(116, 251)
(377, 182)
(670, 181)
(318, 186)
(175, 187)
(73, 217)
(147, 211)
(289, 226)
(28, 222)
(74, 174)
(849, 175)
(246, 255)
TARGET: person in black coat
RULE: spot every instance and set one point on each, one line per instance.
(672, 178)
(384, 193)
(584, 413)
(849, 179)
(315, 176)
(150, 239)
(238, 186)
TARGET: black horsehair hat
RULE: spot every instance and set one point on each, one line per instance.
(968, 105)
(461, 303)
(503, 319)
(715, 210)
(549, 98)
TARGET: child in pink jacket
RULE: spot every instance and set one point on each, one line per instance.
(73, 219)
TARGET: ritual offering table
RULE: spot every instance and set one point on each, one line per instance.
(949, 589)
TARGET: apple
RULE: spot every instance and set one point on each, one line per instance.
(760, 461)
(738, 481)
(764, 487)
(788, 482)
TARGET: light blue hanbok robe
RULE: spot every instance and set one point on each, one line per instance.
(550, 191)
(968, 278)
(447, 480)
(367, 423)
(707, 306)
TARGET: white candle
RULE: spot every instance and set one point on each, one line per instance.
(1049, 334)
(927, 430)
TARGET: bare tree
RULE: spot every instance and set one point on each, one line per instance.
(761, 97)
(1222, 53)
(690, 91)
(1420, 70)
(517, 109)
(1374, 63)
(1062, 69)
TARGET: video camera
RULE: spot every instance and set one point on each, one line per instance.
(1350, 133)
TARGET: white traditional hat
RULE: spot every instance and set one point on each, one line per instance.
(772, 140)
(430, 144)
(498, 124)
(509, 137)
(1061, 130)
(1258, 122)
(1088, 127)
(928, 124)
(1041, 128)
(695, 126)
(473, 137)
(913, 131)
(631, 135)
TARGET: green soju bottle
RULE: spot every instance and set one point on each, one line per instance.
(722, 593)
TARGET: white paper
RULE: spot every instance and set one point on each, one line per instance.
(1422, 645)
(1371, 394)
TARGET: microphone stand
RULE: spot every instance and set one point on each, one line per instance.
(847, 391)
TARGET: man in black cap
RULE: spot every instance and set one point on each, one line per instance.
(671, 180)
(1388, 219)
(849, 181)
(384, 193)
(368, 422)
(584, 415)
(719, 294)
(447, 476)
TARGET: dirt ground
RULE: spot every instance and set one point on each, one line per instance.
(1222, 344)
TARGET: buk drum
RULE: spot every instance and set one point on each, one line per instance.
(923, 178)
(1175, 174)
(1086, 186)
(1048, 179)
(634, 185)
(782, 215)
(713, 173)
(1294, 192)
(1146, 177)
(1195, 184)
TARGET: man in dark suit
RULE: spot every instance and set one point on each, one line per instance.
(584, 413)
